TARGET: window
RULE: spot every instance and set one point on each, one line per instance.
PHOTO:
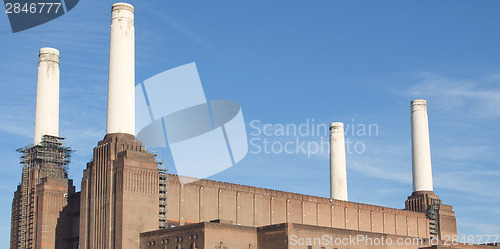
(196, 236)
(309, 247)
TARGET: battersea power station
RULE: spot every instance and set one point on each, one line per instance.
(127, 201)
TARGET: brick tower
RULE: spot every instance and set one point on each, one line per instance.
(45, 187)
(120, 193)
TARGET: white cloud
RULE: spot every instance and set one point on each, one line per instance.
(466, 225)
(187, 32)
(380, 170)
(467, 153)
(472, 97)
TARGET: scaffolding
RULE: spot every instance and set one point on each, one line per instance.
(162, 174)
(50, 159)
(433, 215)
(162, 190)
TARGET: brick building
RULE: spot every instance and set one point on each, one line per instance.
(225, 235)
(127, 201)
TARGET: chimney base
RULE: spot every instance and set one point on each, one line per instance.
(442, 221)
(420, 201)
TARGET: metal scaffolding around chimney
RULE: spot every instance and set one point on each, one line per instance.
(162, 174)
(50, 159)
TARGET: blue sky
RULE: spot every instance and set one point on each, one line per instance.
(358, 62)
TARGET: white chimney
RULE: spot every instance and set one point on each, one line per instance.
(121, 101)
(338, 174)
(47, 95)
(420, 145)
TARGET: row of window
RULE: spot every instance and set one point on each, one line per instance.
(310, 247)
(177, 239)
(193, 246)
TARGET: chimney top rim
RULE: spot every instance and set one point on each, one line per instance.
(49, 50)
(419, 102)
(336, 124)
(122, 6)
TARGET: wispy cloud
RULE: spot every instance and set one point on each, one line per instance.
(187, 32)
(11, 121)
(467, 182)
(472, 97)
(468, 153)
(482, 228)
(380, 170)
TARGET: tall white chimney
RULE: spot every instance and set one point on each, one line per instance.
(121, 101)
(47, 95)
(420, 147)
(338, 174)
